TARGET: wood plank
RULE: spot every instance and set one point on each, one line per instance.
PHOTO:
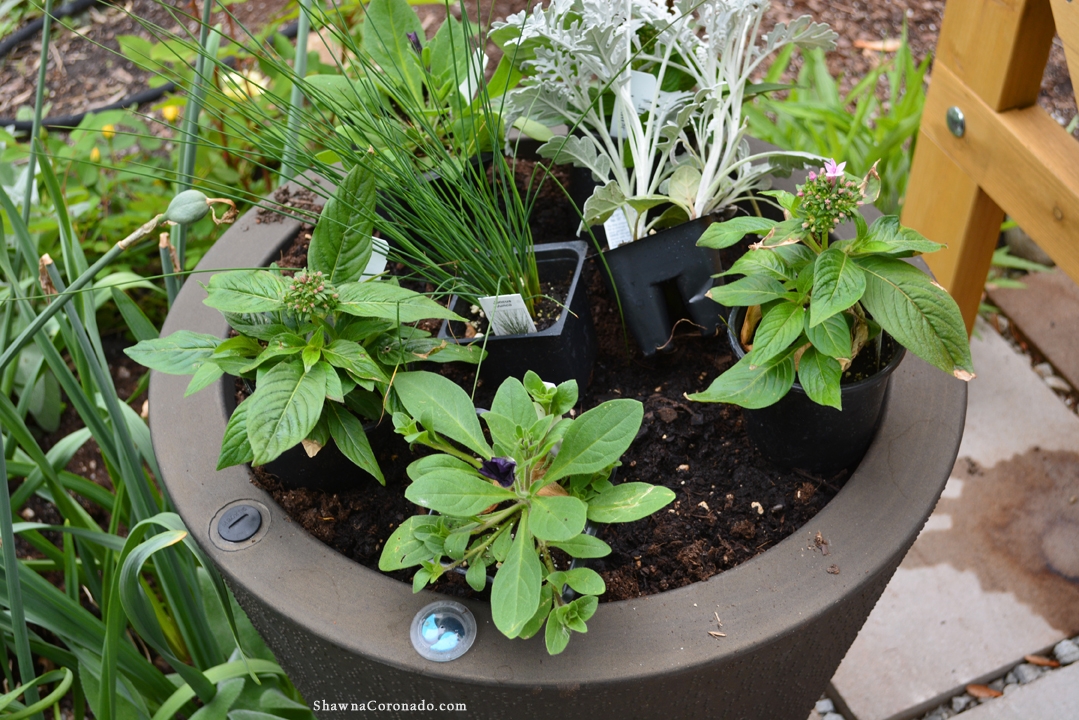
(998, 48)
(1066, 17)
(1023, 159)
(947, 206)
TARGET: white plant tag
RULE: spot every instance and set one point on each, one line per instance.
(642, 86)
(376, 264)
(475, 74)
(507, 314)
(617, 229)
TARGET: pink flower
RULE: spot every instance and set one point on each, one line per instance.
(833, 171)
(812, 175)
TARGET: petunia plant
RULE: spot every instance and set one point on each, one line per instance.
(320, 348)
(509, 503)
(814, 302)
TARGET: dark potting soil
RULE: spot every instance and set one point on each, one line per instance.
(731, 503)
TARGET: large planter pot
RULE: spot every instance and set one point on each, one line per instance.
(798, 433)
(564, 351)
(341, 631)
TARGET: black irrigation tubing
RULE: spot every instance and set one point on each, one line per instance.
(68, 122)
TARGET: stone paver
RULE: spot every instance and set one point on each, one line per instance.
(1053, 697)
(1046, 312)
(995, 573)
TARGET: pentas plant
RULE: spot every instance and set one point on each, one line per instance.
(508, 503)
(815, 302)
(653, 94)
(320, 348)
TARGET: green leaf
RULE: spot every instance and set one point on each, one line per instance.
(724, 234)
(441, 405)
(476, 575)
(206, 375)
(341, 243)
(918, 313)
(752, 290)
(536, 622)
(762, 261)
(604, 201)
(284, 408)
(435, 464)
(584, 546)
(456, 492)
(402, 549)
(351, 356)
(246, 291)
(387, 24)
(565, 397)
(449, 52)
(683, 185)
(781, 324)
(513, 402)
(887, 236)
(137, 322)
(628, 502)
(597, 438)
(586, 581)
(819, 376)
(181, 353)
(831, 337)
(503, 432)
(838, 283)
(515, 593)
(311, 355)
(557, 518)
(751, 385)
(456, 544)
(377, 299)
(235, 447)
(557, 634)
(347, 431)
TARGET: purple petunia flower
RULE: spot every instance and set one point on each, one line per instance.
(414, 38)
(833, 171)
(499, 469)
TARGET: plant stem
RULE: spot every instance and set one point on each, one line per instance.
(288, 164)
(14, 589)
(82, 281)
(39, 100)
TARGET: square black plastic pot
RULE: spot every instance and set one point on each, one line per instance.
(662, 276)
(341, 630)
(797, 433)
(564, 351)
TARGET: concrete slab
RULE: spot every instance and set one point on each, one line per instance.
(1052, 697)
(1047, 311)
(995, 573)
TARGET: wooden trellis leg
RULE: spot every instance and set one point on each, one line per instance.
(989, 63)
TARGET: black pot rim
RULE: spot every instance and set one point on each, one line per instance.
(739, 353)
(578, 246)
(778, 594)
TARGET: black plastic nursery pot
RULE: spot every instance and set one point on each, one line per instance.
(564, 351)
(341, 630)
(658, 273)
(329, 470)
(798, 433)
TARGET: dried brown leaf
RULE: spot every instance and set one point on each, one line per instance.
(983, 691)
(1041, 661)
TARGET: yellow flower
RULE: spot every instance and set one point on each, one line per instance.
(108, 131)
(241, 86)
(170, 113)
(95, 155)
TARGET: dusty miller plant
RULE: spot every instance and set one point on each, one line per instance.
(653, 95)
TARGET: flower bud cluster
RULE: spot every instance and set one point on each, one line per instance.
(828, 198)
(310, 293)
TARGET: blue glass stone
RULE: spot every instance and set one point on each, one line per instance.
(443, 631)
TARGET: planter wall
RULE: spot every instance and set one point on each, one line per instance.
(564, 351)
(342, 631)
